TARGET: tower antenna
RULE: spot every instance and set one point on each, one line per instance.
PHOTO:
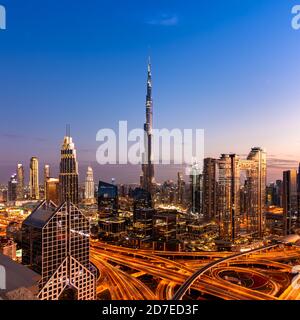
(68, 130)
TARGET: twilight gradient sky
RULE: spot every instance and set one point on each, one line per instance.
(228, 66)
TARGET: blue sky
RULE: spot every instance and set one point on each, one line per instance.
(230, 67)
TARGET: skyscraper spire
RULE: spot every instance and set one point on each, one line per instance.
(68, 130)
(147, 180)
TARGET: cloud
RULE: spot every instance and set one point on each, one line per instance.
(12, 136)
(284, 164)
(166, 20)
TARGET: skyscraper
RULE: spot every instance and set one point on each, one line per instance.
(107, 200)
(34, 179)
(180, 188)
(147, 179)
(228, 196)
(257, 176)
(210, 188)
(290, 201)
(12, 188)
(52, 190)
(46, 175)
(229, 187)
(55, 244)
(89, 192)
(68, 176)
(20, 179)
(196, 189)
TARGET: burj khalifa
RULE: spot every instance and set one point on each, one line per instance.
(147, 178)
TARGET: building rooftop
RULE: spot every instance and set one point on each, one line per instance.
(41, 215)
(15, 277)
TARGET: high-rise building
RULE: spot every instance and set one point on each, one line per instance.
(210, 188)
(12, 188)
(68, 176)
(142, 215)
(229, 199)
(52, 190)
(278, 194)
(34, 179)
(180, 189)
(89, 192)
(107, 200)
(147, 178)
(46, 175)
(257, 176)
(20, 179)
(290, 201)
(56, 245)
(196, 189)
(228, 196)
(141, 199)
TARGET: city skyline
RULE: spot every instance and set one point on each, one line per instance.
(149, 151)
(229, 82)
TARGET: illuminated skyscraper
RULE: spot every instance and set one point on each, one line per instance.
(228, 196)
(56, 245)
(52, 190)
(257, 179)
(210, 188)
(229, 169)
(289, 199)
(12, 188)
(34, 179)
(68, 176)
(147, 179)
(108, 200)
(89, 192)
(20, 179)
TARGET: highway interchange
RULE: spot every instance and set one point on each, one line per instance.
(131, 274)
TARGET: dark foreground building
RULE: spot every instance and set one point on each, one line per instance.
(55, 243)
(107, 200)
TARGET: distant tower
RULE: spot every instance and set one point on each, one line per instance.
(68, 176)
(196, 189)
(258, 156)
(147, 179)
(20, 179)
(46, 175)
(210, 188)
(89, 193)
(12, 188)
(34, 179)
(290, 203)
(180, 188)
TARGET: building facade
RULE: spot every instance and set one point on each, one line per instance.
(34, 179)
(89, 192)
(290, 201)
(56, 244)
(68, 175)
(21, 184)
(147, 178)
(210, 188)
(108, 200)
(12, 188)
(52, 190)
